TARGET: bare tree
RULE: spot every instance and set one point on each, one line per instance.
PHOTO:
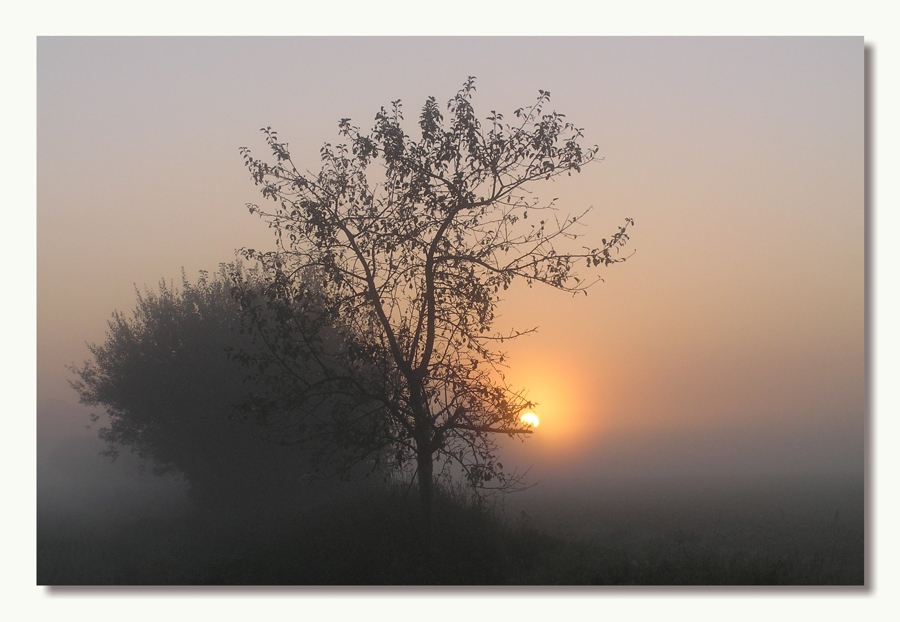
(412, 242)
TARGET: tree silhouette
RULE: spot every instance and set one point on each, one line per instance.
(412, 243)
(172, 394)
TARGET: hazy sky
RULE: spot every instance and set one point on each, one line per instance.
(731, 342)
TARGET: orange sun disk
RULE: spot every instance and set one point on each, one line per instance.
(530, 419)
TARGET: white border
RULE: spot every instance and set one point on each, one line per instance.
(17, 51)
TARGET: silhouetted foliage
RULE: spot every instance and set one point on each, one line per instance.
(309, 381)
(165, 379)
(414, 241)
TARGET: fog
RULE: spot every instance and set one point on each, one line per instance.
(653, 514)
(77, 485)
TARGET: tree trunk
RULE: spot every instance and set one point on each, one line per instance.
(426, 492)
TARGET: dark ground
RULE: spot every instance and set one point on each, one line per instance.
(807, 531)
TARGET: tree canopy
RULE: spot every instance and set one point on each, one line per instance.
(413, 241)
(173, 395)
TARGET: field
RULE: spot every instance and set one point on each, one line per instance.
(806, 531)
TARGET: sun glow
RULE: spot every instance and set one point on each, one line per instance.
(530, 419)
(565, 400)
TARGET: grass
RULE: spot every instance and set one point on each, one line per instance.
(371, 537)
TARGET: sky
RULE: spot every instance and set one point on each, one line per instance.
(731, 342)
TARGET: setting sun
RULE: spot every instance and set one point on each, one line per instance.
(530, 419)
